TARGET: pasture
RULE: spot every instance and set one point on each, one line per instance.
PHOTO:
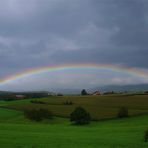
(119, 133)
(100, 107)
(17, 131)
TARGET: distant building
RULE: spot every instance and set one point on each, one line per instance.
(96, 93)
(20, 96)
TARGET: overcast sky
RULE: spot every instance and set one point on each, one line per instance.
(36, 33)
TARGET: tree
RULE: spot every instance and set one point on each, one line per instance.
(80, 116)
(83, 92)
(123, 112)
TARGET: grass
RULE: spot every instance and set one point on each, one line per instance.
(17, 117)
(8, 115)
(100, 107)
(18, 132)
(119, 133)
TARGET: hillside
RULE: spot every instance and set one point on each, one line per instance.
(123, 88)
(106, 134)
(100, 107)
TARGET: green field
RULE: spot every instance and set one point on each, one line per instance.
(18, 132)
(59, 133)
(100, 107)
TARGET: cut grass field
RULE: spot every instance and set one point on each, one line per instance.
(119, 133)
(17, 131)
(100, 107)
(17, 117)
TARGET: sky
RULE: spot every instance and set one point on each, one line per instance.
(37, 33)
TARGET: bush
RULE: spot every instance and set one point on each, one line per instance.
(146, 136)
(37, 102)
(68, 102)
(123, 112)
(59, 94)
(80, 116)
(38, 114)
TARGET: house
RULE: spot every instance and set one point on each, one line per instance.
(20, 96)
(96, 93)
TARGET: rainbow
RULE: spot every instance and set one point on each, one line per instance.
(51, 68)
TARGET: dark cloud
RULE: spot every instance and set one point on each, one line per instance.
(36, 33)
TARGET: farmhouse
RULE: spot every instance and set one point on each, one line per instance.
(20, 96)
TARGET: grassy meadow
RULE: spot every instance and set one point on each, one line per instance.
(60, 133)
(19, 132)
(100, 107)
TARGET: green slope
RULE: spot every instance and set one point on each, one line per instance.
(123, 133)
(100, 107)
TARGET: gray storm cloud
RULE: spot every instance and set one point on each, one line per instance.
(35, 33)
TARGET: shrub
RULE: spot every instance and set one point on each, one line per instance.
(123, 112)
(80, 116)
(60, 94)
(146, 136)
(68, 102)
(37, 102)
(38, 114)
